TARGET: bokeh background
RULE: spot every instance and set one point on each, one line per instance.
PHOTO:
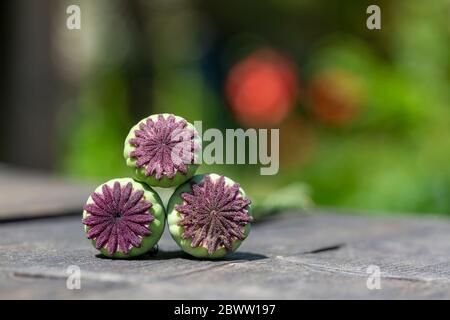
(364, 115)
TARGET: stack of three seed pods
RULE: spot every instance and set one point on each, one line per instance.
(208, 215)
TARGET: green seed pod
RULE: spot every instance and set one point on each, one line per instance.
(162, 149)
(124, 218)
(209, 216)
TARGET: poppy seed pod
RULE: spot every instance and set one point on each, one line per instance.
(162, 149)
(209, 216)
(123, 218)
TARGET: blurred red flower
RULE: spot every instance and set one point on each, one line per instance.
(262, 89)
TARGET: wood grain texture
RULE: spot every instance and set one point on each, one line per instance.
(30, 194)
(292, 256)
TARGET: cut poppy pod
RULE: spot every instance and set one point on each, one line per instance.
(209, 216)
(162, 150)
(123, 218)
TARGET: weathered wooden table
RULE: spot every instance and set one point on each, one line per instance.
(320, 255)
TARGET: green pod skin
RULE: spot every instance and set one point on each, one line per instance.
(156, 227)
(164, 182)
(174, 217)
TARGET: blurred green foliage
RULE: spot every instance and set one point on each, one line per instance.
(95, 139)
(392, 157)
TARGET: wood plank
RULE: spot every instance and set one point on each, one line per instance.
(286, 257)
(30, 194)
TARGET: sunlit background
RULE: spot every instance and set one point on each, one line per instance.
(363, 114)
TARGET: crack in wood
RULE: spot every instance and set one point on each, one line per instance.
(27, 275)
(325, 249)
